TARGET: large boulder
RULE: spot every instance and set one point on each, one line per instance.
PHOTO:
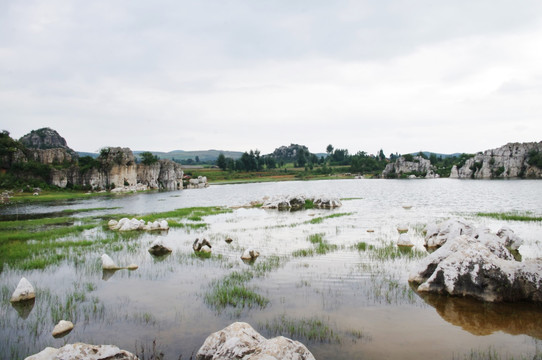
(482, 268)
(24, 291)
(241, 341)
(83, 351)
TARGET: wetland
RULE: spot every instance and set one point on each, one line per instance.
(333, 279)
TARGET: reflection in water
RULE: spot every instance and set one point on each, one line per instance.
(24, 308)
(160, 258)
(482, 318)
(107, 274)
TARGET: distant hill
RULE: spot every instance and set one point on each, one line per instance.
(444, 156)
(203, 155)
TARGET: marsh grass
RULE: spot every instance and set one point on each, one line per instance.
(510, 216)
(311, 329)
(320, 219)
(492, 354)
(233, 291)
(391, 251)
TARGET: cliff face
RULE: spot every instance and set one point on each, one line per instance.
(46, 146)
(418, 167)
(509, 161)
(116, 169)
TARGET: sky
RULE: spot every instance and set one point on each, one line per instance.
(402, 76)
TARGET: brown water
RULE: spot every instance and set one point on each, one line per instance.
(365, 301)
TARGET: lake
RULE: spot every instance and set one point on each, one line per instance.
(344, 302)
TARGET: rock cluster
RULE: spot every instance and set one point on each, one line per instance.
(509, 161)
(126, 224)
(83, 351)
(401, 166)
(197, 183)
(298, 202)
(241, 341)
(476, 263)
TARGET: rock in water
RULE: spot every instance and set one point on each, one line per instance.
(108, 263)
(482, 268)
(62, 328)
(250, 254)
(158, 248)
(241, 341)
(404, 240)
(199, 245)
(83, 351)
(24, 291)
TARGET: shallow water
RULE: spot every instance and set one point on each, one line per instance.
(365, 301)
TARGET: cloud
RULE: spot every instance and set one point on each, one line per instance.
(362, 75)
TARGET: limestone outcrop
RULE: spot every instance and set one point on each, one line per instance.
(481, 267)
(297, 202)
(126, 224)
(512, 160)
(83, 351)
(241, 341)
(417, 167)
(197, 183)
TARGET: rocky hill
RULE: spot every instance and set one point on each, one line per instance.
(513, 160)
(289, 153)
(409, 166)
(43, 155)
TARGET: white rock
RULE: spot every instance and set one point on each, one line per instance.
(241, 341)
(205, 249)
(404, 240)
(437, 235)
(481, 268)
(158, 248)
(24, 291)
(83, 351)
(511, 240)
(164, 225)
(250, 254)
(132, 267)
(113, 224)
(108, 263)
(62, 327)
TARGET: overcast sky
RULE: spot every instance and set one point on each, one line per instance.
(402, 76)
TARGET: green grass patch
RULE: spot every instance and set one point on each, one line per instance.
(320, 219)
(510, 216)
(233, 291)
(351, 198)
(311, 329)
(303, 253)
(363, 246)
(391, 252)
(309, 204)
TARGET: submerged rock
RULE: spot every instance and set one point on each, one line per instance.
(24, 291)
(62, 328)
(83, 351)
(298, 202)
(250, 254)
(482, 268)
(241, 341)
(229, 240)
(158, 248)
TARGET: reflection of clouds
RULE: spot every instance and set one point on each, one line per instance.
(482, 318)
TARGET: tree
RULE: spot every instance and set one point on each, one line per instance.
(197, 159)
(148, 158)
(221, 162)
(329, 150)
